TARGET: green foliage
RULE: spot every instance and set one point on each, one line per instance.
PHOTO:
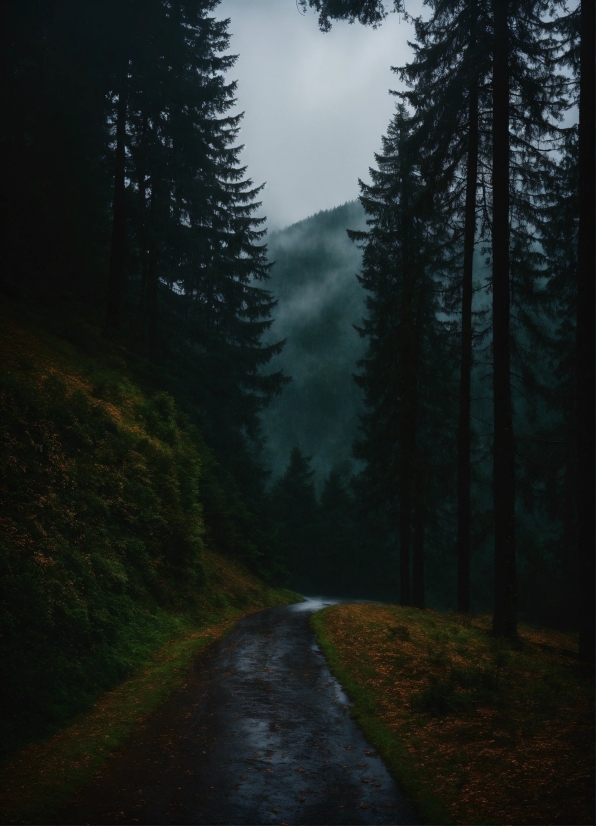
(294, 504)
(87, 83)
(101, 529)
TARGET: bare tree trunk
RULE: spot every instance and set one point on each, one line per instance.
(152, 267)
(505, 611)
(408, 360)
(418, 562)
(144, 215)
(464, 428)
(585, 337)
(117, 274)
(569, 518)
(405, 518)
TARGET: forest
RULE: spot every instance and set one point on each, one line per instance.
(389, 400)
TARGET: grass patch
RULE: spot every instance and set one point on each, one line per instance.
(477, 730)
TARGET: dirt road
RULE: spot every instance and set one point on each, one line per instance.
(261, 733)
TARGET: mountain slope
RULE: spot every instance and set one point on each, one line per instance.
(320, 299)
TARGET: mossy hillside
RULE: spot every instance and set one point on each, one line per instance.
(101, 529)
(477, 729)
(44, 775)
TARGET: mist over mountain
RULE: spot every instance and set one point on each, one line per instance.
(319, 301)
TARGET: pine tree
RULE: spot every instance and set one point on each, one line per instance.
(295, 509)
(505, 613)
(337, 562)
(558, 239)
(399, 267)
(585, 332)
(527, 96)
(53, 183)
(448, 91)
(203, 303)
(446, 44)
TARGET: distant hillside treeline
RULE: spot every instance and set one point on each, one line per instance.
(319, 301)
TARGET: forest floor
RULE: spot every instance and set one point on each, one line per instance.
(477, 730)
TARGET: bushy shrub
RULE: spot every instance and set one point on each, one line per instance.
(100, 530)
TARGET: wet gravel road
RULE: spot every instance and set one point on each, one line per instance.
(261, 733)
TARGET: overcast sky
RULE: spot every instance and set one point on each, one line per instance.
(316, 104)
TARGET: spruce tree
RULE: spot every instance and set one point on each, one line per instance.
(185, 236)
(295, 510)
(213, 255)
(400, 265)
(505, 613)
(586, 272)
(448, 91)
(518, 122)
(338, 543)
(526, 96)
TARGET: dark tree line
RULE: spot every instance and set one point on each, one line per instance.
(123, 194)
(403, 376)
(496, 174)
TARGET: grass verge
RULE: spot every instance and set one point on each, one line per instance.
(45, 775)
(476, 730)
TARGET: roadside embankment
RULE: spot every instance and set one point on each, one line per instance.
(110, 582)
(477, 730)
(36, 782)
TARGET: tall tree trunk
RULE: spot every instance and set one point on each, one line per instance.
(152, 286)
(569, 518)
(405, 518)
(408, 359)
(407, 447)
(144, 214)
(464, 429)
(408, 483)
(585, 337)
(117, 274)
(418, 561)
(505, 611)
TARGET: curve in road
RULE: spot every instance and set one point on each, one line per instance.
(261, 733)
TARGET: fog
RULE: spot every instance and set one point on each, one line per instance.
(320, 299)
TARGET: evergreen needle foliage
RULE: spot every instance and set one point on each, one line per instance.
(492, 172)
